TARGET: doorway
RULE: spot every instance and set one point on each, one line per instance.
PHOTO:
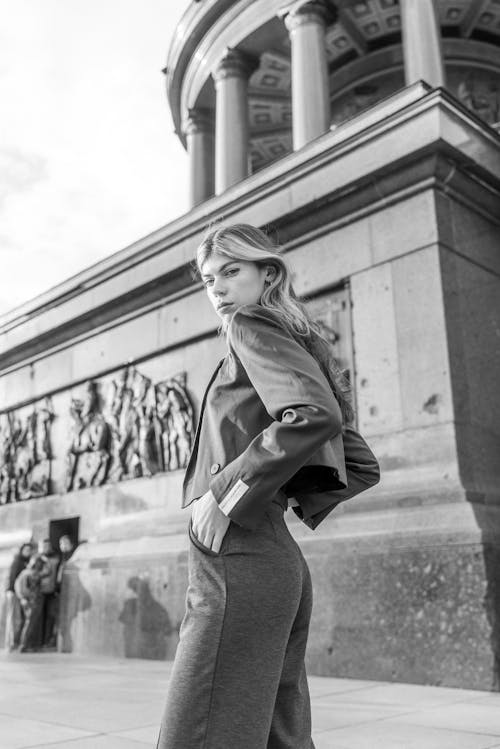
(64, 527)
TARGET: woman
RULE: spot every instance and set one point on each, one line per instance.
(271, 433)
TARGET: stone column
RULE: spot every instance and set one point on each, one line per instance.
(199, 131)
(422, 53)
(310, 94)
(231, 118)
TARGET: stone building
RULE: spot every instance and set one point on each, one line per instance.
(364, 136)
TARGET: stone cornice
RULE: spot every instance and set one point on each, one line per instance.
(413, 141)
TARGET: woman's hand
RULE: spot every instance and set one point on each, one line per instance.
(209, 524)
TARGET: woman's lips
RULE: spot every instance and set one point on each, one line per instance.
(224, 306)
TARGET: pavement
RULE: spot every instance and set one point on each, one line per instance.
(58, 701)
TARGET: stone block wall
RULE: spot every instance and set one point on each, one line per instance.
(392, 232)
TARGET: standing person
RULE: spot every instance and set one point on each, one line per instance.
(14, 612)
(66, 547)
(28, 590)
(48, 588)
(272, 432)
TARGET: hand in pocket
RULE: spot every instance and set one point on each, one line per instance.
(208, 522)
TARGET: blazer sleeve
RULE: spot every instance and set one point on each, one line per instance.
(300, 402)
(362, 470)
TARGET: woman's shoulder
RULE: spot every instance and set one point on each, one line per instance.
(260, 329)
(255, 316)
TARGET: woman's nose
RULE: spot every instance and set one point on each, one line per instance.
(218, 287)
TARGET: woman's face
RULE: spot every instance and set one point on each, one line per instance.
(232, 283)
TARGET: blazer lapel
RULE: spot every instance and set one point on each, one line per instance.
(194, 451)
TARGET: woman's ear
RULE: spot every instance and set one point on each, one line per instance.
(270, 274)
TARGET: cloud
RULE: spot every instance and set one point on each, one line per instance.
(19, 172)
(88, 161)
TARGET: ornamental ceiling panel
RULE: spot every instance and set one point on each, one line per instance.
(338, 42)
(375, 18)
(266, 114)
(273, 74)
(265, 149)
(453, 12)
(489, 17)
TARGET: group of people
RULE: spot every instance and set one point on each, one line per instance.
(32, 595)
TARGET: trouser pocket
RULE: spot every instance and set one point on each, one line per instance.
(204, 549)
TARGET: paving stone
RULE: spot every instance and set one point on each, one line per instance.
(462, 716)
(22, 732)
(54, 701)
(388, 735)
(147, 734)
(96, 742)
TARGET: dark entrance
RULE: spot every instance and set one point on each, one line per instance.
(64, 527)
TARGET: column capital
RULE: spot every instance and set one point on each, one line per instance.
(198, 120)
(235, 64)
(313, 11)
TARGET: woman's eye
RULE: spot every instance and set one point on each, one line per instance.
(232, 271)
(208, 281)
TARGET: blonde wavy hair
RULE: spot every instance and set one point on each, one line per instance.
(248, 243)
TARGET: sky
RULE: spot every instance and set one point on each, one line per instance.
(89, 162)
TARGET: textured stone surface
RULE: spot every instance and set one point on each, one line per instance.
(128, 607)
(415, 615)
(401, 603)
(472, 299)
(407, 576)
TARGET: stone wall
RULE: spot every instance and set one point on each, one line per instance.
(391, 227)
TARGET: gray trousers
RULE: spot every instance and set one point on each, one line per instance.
(239, 680)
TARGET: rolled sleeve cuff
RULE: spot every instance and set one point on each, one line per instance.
(230, 499)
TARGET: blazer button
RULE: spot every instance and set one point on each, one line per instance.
(289, 416)
(215, 468)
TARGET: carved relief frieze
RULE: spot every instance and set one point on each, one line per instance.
(25, 453)
(129, 428)
(119, 428)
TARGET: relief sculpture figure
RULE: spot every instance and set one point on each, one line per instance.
(115, 414)
(7, 488)
(89, 453)
(144, 461)
(132, 417)
(175, 414)
(25, 454)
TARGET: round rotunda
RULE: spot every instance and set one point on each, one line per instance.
(250, 81)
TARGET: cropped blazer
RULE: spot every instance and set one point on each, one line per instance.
(269, 423)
